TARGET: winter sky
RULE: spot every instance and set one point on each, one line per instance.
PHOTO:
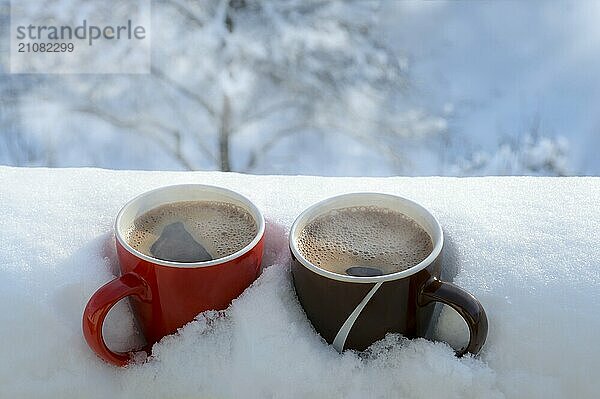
(504, 64)
(494, 69)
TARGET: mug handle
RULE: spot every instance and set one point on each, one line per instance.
(465, 304)
(100, 304)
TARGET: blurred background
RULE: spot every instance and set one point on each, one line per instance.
(370, 88)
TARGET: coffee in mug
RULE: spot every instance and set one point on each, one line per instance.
(364, 240)
(192, 231)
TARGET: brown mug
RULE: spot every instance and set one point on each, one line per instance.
(352, 312)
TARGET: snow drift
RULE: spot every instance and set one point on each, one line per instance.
(528, 248)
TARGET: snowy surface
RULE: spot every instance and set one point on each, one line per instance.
(528, 248)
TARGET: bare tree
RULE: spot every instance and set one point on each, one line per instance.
(230, 79)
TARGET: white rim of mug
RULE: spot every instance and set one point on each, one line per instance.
(437, 248)
(253, 210)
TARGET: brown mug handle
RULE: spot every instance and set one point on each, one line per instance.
(465, 304)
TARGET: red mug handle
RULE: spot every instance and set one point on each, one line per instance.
(100, 304)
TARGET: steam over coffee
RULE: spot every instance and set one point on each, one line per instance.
(364, 241)
(192, 231)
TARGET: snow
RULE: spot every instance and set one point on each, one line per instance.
(527, 247)
(534, 156)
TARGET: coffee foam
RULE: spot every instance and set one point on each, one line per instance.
(368, 236)
(221, 228)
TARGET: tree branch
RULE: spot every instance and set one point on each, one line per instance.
(280, 106)
(183, 10)
(135, 127)
(275, 138)
(184, 90)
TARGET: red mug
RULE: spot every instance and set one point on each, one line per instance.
(165, 295)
